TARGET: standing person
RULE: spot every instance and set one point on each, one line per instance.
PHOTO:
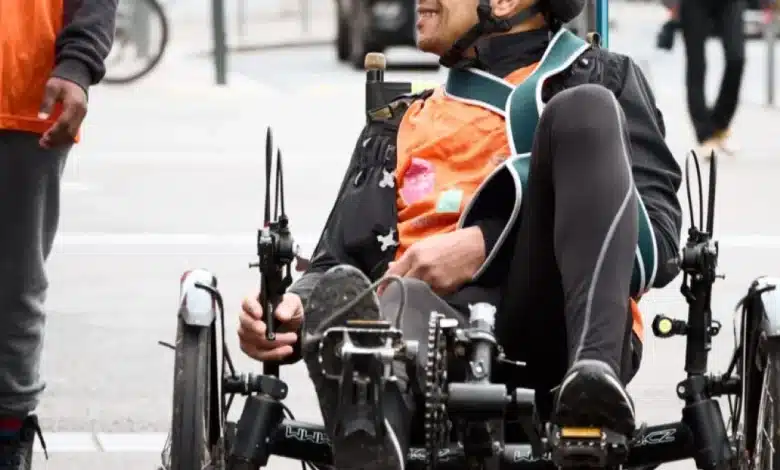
(724, 18)
(51, 52)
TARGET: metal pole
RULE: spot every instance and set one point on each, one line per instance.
(305, 6)
(770, 32)
(241, 18)
(602, 21)
(220, 42)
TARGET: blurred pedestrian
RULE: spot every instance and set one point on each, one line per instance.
(723, 18)
(51, 52)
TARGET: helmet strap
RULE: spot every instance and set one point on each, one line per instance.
(487, 24)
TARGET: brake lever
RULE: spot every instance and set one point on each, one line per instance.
(275, 250)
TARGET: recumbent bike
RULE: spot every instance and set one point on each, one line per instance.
(458, 416)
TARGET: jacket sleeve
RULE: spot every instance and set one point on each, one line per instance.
(329, 251)
(656, 173)
(85, 41)
(491, 229)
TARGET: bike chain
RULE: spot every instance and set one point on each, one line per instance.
(436, 424)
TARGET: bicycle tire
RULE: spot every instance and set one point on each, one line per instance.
(767, 419)
(155, 9)
(194, 424)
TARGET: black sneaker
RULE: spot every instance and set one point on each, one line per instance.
(356, 444)
(591, 395)
(16, 453)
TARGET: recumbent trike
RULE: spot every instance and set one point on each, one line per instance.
(457, 415)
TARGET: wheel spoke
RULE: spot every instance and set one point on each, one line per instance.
(763, 455)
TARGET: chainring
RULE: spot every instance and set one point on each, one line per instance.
(436, 423)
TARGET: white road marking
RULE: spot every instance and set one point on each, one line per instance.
(70, 239)
(68, 442)
(167, 244)
(80, 442)
(132, 442)
(74, 186)
(750, 241)
(74, 239)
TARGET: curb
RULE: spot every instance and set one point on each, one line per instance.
(260, 47)
(293, 44)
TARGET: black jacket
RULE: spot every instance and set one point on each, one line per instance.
(85, 41)
(365, 209)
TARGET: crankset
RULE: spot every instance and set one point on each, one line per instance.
(361, 344)
(437, 426)
(360, 357)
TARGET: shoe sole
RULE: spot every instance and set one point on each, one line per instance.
(358, 450)
(341, 285)
(593, 402)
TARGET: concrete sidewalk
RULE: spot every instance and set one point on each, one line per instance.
(253, 25)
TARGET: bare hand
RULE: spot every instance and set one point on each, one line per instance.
(445, 261)
(252, 328)
(74, 109)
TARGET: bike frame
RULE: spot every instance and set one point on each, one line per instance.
(659, 444)
(654, 445)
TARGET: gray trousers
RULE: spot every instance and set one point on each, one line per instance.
(29, 212)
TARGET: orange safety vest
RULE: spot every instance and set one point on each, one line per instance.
(446, 149)
(28, 30)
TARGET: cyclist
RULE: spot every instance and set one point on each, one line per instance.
(51, 52)
(437, 192)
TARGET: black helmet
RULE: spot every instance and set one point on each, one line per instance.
(559, 11)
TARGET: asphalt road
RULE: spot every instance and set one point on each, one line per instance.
(170, 176)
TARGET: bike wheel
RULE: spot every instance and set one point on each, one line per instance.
(195, 426)
(767, 447)
(146, 52)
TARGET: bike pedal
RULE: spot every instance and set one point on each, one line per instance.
(574, 447)
(362, 343)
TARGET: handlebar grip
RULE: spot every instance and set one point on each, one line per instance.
(271, 325)
(269, 314)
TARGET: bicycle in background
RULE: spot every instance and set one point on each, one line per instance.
(140, 40)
